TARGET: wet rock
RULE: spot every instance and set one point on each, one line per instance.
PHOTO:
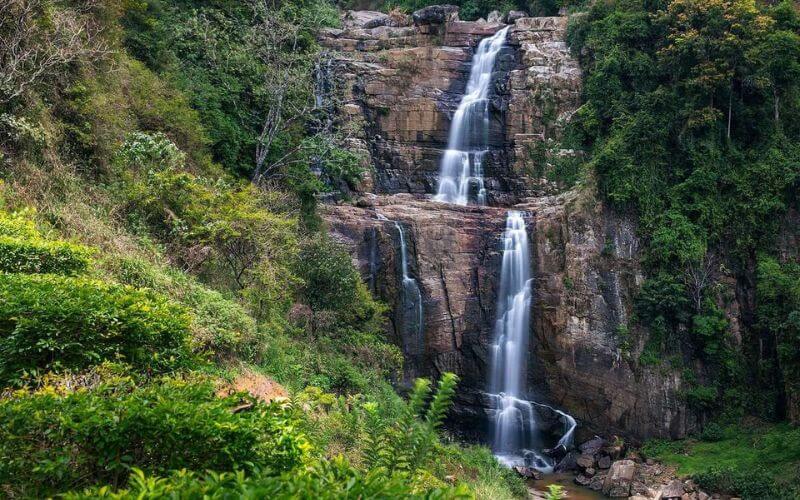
(590, 472)
(513, 15)
(639, 488)
(568, 463)
(596, 483)
(673, 490)
(604, 462)
(557, 453)
(592, 446)
(435, 14)
(585, 461)
(528, 472)
(582, 480)
(618, 481)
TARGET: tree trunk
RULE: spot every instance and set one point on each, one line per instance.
(730, 111)
(776, 106)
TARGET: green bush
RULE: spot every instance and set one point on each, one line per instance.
(333, 480)
(24, 250)
(220, 326)
(50, 322)
(41, 256)
(751, 484)
(51, 442)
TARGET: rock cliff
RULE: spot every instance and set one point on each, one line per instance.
(398, 86)
(401, 84)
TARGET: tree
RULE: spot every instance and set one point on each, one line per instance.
(37, 42)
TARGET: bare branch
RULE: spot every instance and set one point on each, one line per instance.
(31, 50)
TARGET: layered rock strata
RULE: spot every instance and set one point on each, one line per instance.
(400, 86)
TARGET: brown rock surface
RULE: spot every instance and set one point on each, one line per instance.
(406, 82)
(618, 481)
(586, 271)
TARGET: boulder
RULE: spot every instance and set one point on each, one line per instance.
(592, 446)
(582, 480)
(619, 478)
(568, 463)
(494, 17)
(604, 462)
(596, 483)
(673, 490)
(528, 472)
(513, 15)
(435, 14)
(557, 453)
(364, 19)
(585, 461)
(590, 471)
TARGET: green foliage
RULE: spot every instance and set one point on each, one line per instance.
(329, 280)
(334, 479)
(689, 121)
(20, 256)
(778, 306)
(220, 326)
(52, 440)
(24, 250)
(410, 440)
(50, 322)
(742, 460)
(555, 492)
(751, 484)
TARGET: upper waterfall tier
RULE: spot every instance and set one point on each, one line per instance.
(462, 163)
(398, 89)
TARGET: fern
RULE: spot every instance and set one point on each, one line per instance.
(441, 400)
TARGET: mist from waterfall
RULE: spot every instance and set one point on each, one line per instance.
(515, 438)
(462, 165)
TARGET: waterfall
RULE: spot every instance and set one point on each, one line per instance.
(411, 297)
(516, 437)
(462, 164)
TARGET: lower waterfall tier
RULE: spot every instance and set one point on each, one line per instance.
(585, 268)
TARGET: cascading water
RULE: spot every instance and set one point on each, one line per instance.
(462, 164)
(516, 437)
(411, 298)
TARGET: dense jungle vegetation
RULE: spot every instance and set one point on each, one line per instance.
(160, 256)
(690, 123)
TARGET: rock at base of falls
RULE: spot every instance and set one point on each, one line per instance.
(618, 481)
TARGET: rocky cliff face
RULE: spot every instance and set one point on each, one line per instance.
(401, 84)
(398, 88)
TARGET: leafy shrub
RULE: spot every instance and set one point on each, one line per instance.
(52, 441)
(751, 484)
(21, 256)
(712, 432)
(333, 480)
(220, 325)
(149, 152)
(407, 443)
(50, 322)
(24, 250)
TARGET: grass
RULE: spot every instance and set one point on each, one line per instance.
(768, 450)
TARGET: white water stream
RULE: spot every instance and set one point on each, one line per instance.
(462, 165)
(411, 296)
(516, 439)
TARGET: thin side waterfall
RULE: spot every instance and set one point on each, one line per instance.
(461, 174)
(516, 437)
(411, 296)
